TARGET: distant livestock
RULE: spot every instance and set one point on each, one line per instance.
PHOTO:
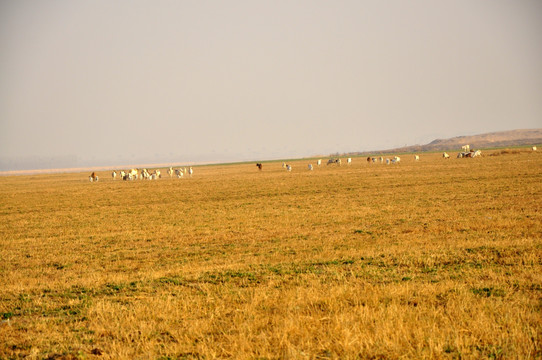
(465, 148)
(334, 161)
(129, 175)
(170, 171)
(259, 166)
(319, 162)
(145, 174)
(179, 173)
(469, 154)
(349, 161)
(93, 177)
(133, 173)
(288, 168)
(114, 174)
(310, 167)
(534, 148)
(416, 158)
(445, 155)
(190, 171)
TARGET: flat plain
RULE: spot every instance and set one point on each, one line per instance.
(422, 259)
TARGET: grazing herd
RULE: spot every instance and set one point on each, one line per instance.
(466, 152)
(394, 160)
(469, 154)
(144, 174)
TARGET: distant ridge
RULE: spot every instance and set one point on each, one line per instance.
(488, 140)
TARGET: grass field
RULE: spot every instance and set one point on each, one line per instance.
(430, 259)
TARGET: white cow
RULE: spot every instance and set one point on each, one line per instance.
(170, 171)
(381, 159)
(190, 171)
(465, 148)
(349, 161)
(288, 168)
(416, 158)
(179, 173)
(397, 159)
(319, 162)
(310, 167)
(534, 148)
(445, 155)
(387, 161)
(114, 174)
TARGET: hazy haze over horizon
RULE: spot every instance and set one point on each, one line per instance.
(91, 83)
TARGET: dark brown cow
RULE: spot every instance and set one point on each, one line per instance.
(259, 166)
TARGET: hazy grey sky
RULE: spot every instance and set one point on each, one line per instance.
(115, 82)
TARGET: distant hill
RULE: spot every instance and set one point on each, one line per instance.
(481, 141)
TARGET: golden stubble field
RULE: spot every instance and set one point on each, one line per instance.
(430, 259)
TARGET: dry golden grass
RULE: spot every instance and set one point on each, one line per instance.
(430, 259)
